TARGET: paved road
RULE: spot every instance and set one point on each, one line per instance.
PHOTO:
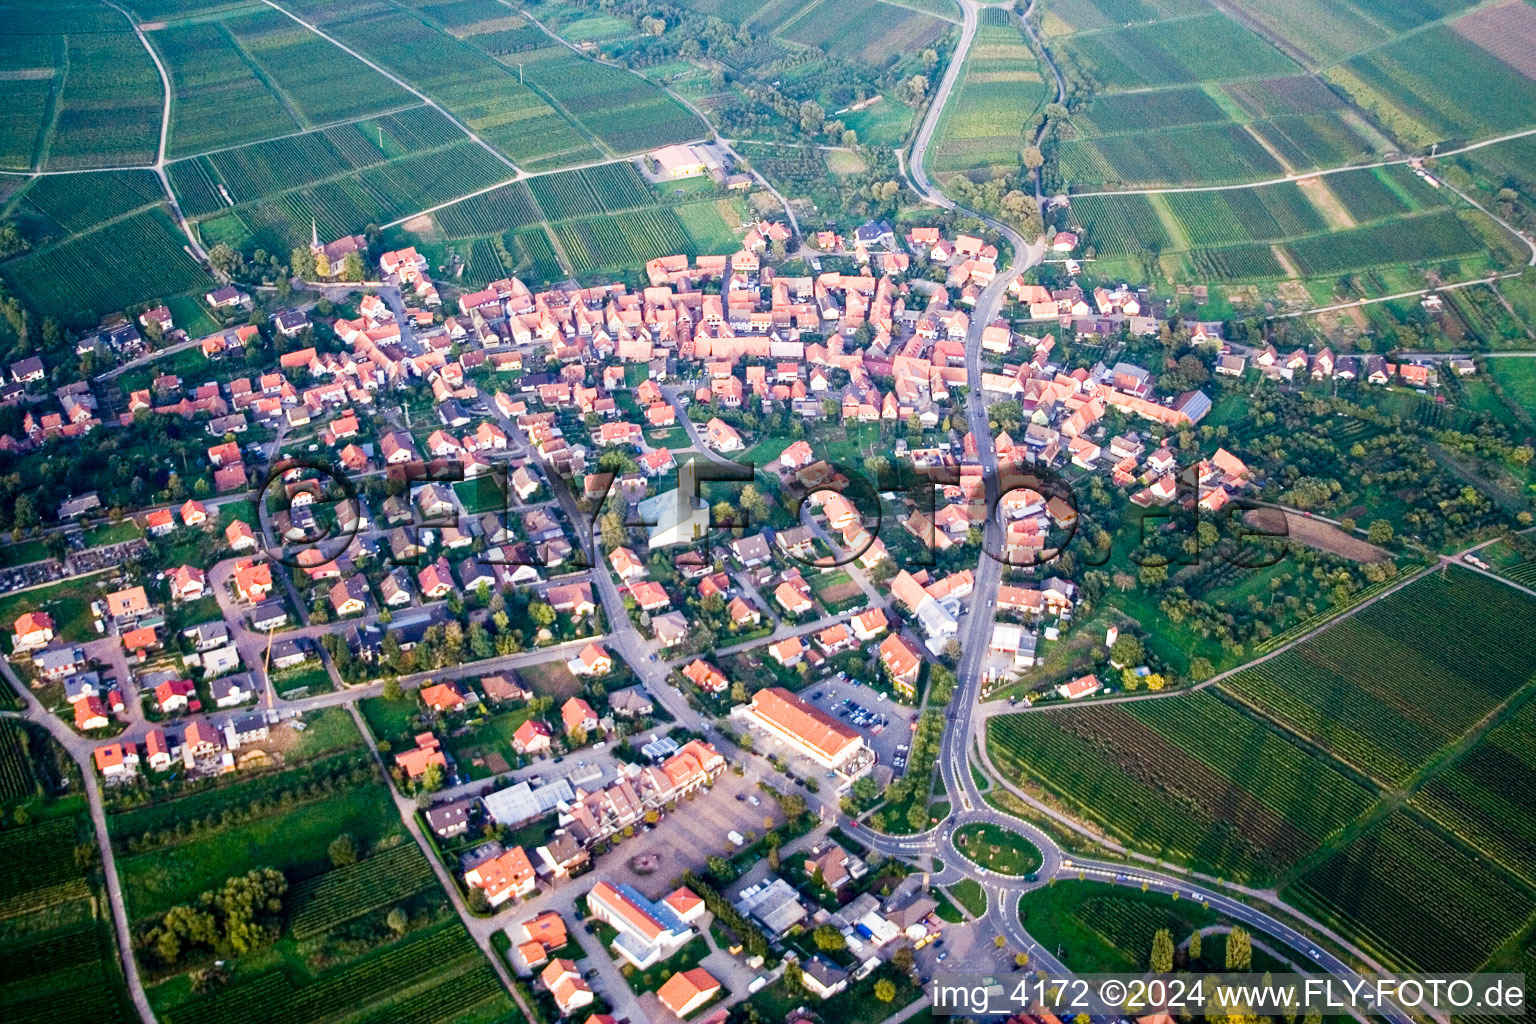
(39, 715)
(165, 127)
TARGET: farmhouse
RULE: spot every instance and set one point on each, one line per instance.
(679, 161)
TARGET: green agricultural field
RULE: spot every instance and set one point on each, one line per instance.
(999, 89)
(591, 190)
(624, 112)
(1120, 225)
(890, 30)
(1487, 797)
(1415, 898)
(58, 961)
(502, 209)
(54, 206)
(1190, 778)
(534, 248)
(292, 840)
(1266, 214)
(341, 179)
(1085, 15)
(707, 229)
(1139, 112)
(322, 82)
(108, 110)
(1297, 95)
(1210, 154)
(1448, 669)
(219, 99)
(81, 90)
(139, 258)
(435, 974)
(1210, 47)
(622, 241)
(1427, 238)
(1518, 378)
(1404, 86)
(318, 904)
(470, 84)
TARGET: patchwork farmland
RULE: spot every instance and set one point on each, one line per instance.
(1284, 769)
(1327, 226)
(999, 89)
(81, 91)
(1191, 779)
(1331, 690)
(342, 178)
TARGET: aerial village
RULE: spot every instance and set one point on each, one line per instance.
(514, 506)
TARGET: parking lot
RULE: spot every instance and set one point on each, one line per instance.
(885, 725)
(695, 831)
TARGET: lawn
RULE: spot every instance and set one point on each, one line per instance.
(998, 849)
(114, 533)
(391, 719)
(1518, 378)
(325, 732)
(68, 602)
(970, 895)
(481, 494)
(23, 552)
(494, 737)
(551, 679)
(312, 679)
(685, 959)
(1097, 927)
(294, 841)
(674, 438)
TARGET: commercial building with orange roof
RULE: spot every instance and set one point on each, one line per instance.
(806, 729)
(649, 932)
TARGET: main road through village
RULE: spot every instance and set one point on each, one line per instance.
(1258, 910)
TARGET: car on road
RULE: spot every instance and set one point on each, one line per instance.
(753, 800)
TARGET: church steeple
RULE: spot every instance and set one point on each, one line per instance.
(314, 234)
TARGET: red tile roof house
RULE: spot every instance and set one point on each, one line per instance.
(1082, 686)
(175, 695)
(33, 629)
(578, 716)
(502, 877)
(239, 536)
(443, 697)
(253, 582)
(532, 737)
(686, 991)
(592, 661)
(650, 596)
(705, 676)
(564, 983)
(427, 752)
(902, 663)
(117, 760)
(91, 713)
